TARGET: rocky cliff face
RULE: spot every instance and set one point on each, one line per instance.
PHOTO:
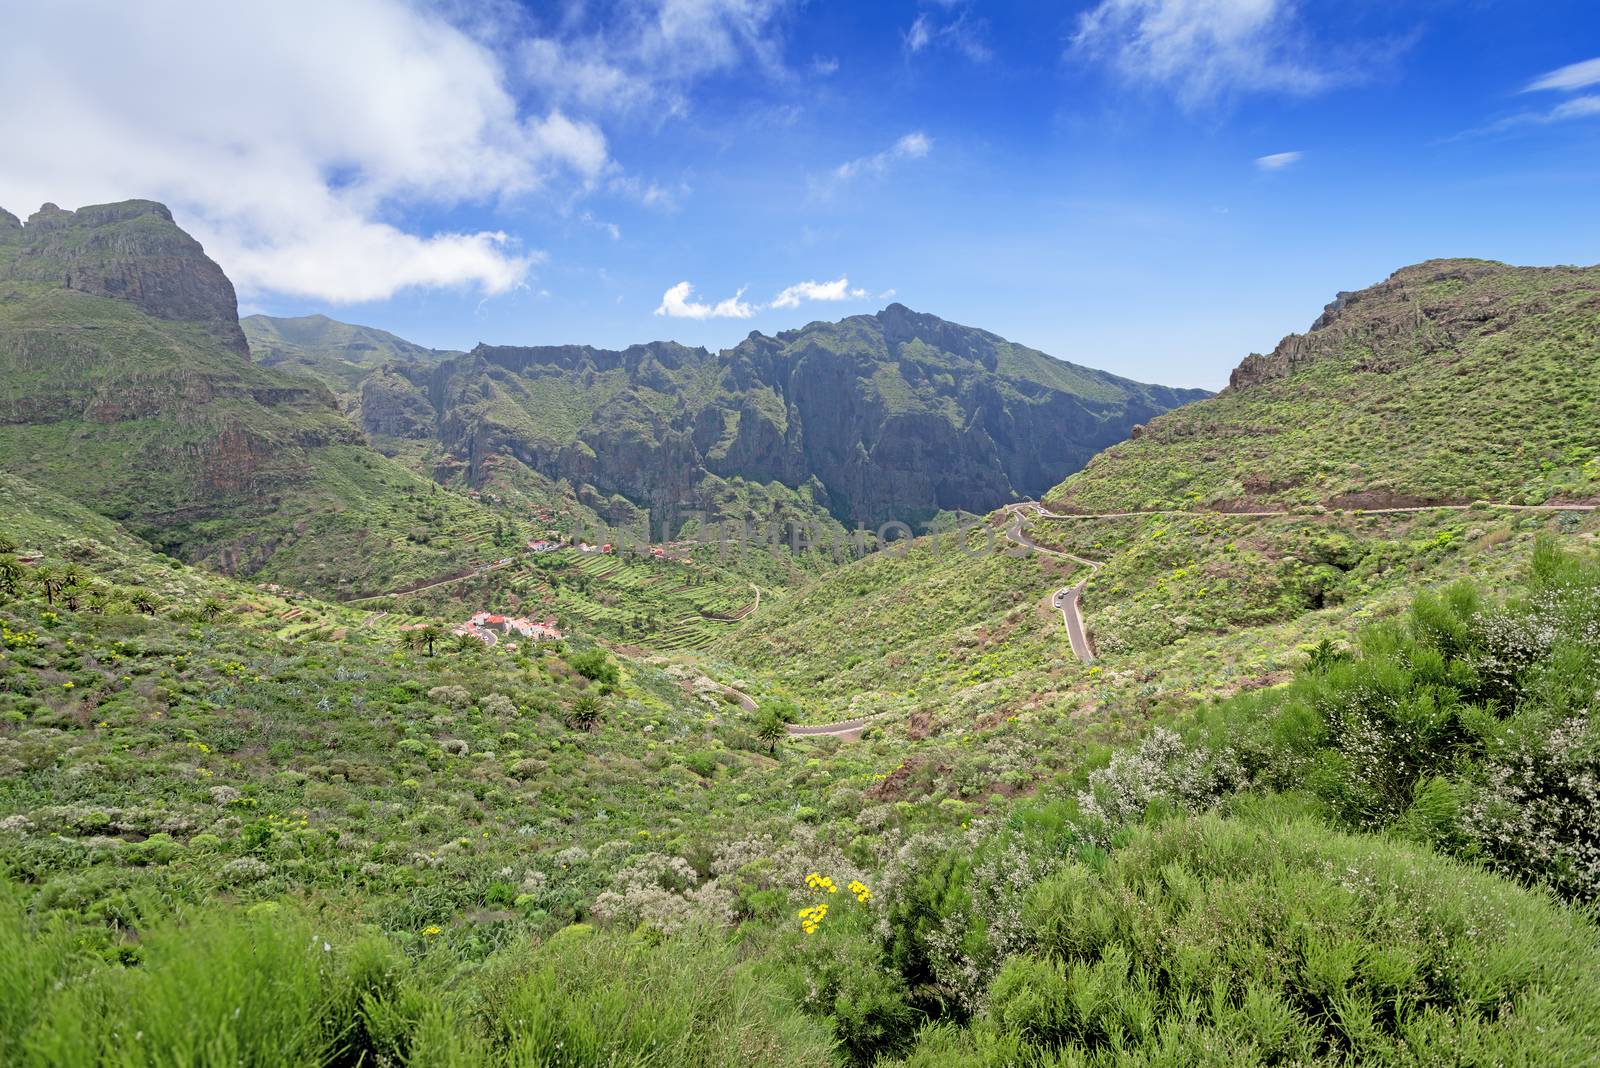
(129, 384)
(130, 251)
(897, 415)
(392, 407)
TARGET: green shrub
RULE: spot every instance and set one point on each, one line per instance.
(1266, 939)
(595, 665)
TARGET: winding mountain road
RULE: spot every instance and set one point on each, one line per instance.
(1068, 599)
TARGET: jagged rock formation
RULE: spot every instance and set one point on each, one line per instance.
(1418, 310)
(392, 407)
(128, 251)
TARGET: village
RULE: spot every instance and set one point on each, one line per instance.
(489, 626)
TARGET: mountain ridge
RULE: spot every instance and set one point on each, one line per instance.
(871, 407)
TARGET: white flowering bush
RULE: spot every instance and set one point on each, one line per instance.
(663, 893)
(1534, 810)
(1163, 768)
(455, 698)
(498, 705)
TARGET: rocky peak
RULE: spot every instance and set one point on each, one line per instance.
(1417, 310)
(130, 251)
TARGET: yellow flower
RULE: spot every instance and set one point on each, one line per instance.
(432, 931)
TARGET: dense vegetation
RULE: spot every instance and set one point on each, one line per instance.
(129, 388)
(893, 416)
(339, 355)
(384, 852)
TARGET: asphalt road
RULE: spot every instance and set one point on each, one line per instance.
(1067, 600)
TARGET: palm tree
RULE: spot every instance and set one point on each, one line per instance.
(142, 602)
(10, 574)
(771, 729)
(467, 645)
(49, 582)
(424, 637)
(211, 609)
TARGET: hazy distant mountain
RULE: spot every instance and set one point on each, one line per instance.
(341, 355)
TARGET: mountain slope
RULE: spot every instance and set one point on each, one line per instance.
(339, 355)
(1452, 380)
(893, 416)
(126, 384)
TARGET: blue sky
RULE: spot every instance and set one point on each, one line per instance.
(1156, 187)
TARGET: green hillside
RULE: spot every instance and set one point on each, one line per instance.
(1322, 795)
(1451, 381)
(125, 383)
(491, 852)
(339, 355)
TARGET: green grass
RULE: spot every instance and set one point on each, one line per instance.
(269, 986)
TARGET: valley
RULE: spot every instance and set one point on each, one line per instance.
(1243, 722)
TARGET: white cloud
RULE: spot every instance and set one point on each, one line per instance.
(291, 154)
(914, 145)
(675, 304)
(303, 142)
(648, 194)
(1203, 49)
(600, 224)
(1578, 107)
(838, 289)
(920, 33)
(643, 56)
(1277, 161)
(963, 33)
(1566, 79)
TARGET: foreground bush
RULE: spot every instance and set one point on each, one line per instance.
(1270, 940)
(266, 988)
